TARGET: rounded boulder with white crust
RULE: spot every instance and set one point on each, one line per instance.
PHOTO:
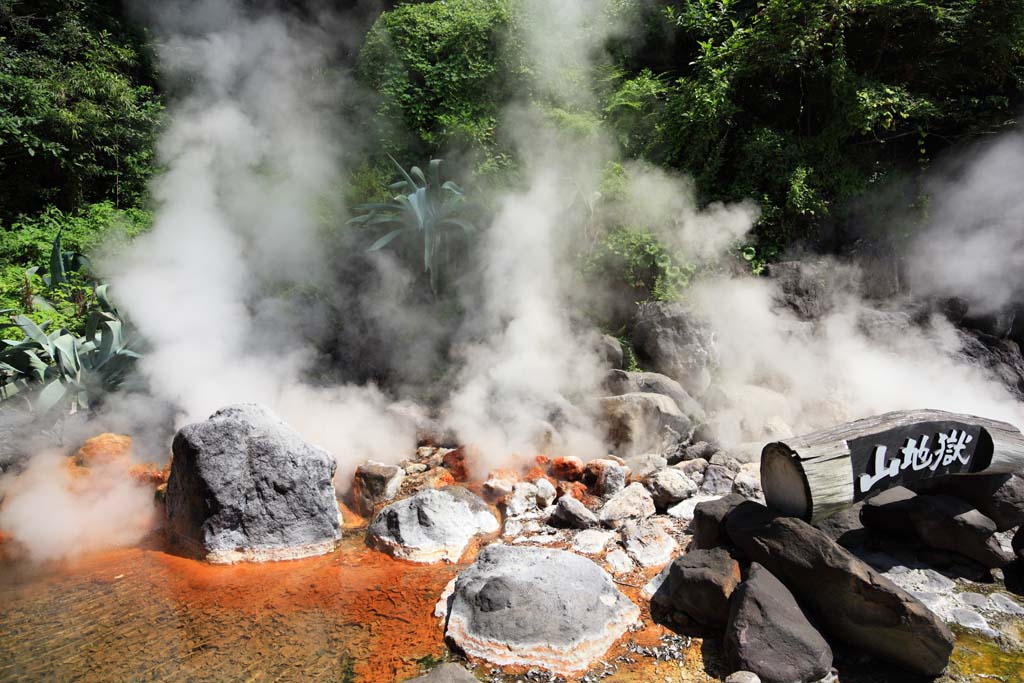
(537, 607)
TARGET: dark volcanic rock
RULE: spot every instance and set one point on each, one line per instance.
(245, 487)
(708, 524)
(697, 588)
(942, 522)
(1018, 544)
(677, 343)
(433, 525)
(771, 636)
(1000, 497)
(852, 601)
(845, 527)
(1002, 357)
(537, 607)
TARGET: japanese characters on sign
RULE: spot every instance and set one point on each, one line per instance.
(898, 456)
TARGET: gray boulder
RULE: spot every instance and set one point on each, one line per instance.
(1000, 497)
(374, 484)
(619, 382)
(573, 514)
(941, 522)
(697, 588)
(640, 423)
(446, 673)
(669, 486)
(244, 486)
(537, 607)
(606, 476)
(769, 634)
(742, 677)
(676, 342)
(848, 598)
(433, 525)
(632, 503)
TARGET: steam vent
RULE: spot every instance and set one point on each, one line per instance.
(537, 607)
(244, 487)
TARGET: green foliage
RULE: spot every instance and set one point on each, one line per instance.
(637, 259)
(61, 372)
(77, 108)
(425, 215)
(26, 261)
(443, 76)
(805, 104)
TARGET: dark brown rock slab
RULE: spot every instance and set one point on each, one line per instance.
(850, 600)
(1000, 497)
(708, 526)
(941, 522)
(697, 588)
(769, 634)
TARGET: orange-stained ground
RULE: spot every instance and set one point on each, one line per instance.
(145, 615)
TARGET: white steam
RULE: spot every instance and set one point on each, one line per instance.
(251, 165)
(55, 513)
(973, 244)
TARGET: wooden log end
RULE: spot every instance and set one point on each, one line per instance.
(784, 482)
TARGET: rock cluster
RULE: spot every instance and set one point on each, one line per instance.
(245, 487)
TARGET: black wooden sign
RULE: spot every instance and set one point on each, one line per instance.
(919, 451)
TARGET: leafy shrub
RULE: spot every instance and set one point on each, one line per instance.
(442, 74)
(423, 222)
(78, 112)
(637, 259)
(26, 261)
(803, 105)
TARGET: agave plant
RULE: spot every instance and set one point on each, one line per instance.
(69, 370)
(425, 212)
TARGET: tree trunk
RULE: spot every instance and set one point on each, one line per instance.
(816, 475)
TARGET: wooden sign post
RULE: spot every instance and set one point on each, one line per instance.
(816, 475)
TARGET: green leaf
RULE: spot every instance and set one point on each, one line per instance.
(387, 239)
(56, 263)
(50, 396)
(33, 332)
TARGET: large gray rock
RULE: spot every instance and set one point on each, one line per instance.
(610, 349)
(244, 486)
(852, 601)
(632, 503)
(537, 607)
(433, 525)
(619, 382)
(676, 342)
(640, 423)
(697, 588)
(942, 522)
(769, 634)
(1000, 497)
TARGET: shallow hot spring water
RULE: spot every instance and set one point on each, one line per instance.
(141, 614)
